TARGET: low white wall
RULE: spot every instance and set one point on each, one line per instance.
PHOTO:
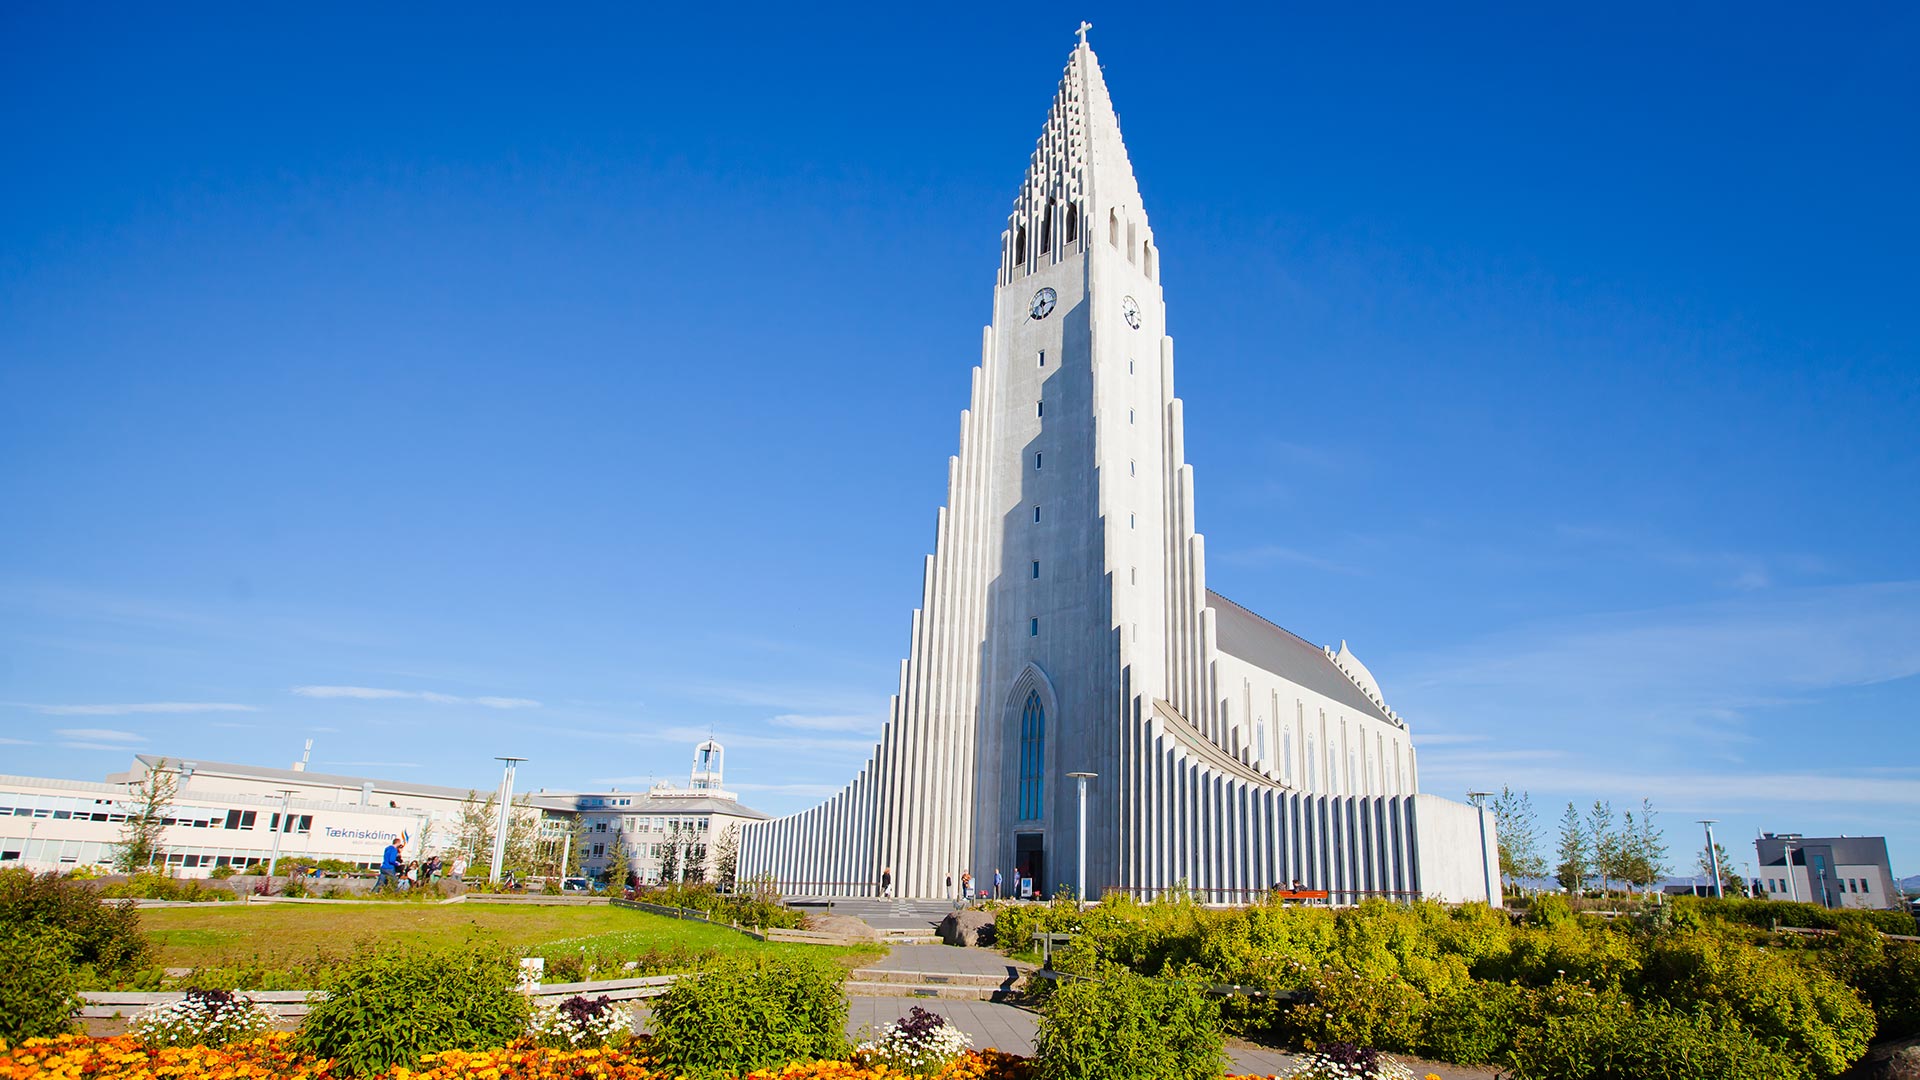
(1459, 862)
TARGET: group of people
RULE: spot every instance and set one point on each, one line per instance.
(396, 872)
(966, 885)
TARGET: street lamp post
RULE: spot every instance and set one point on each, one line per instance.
(506, 814)
(1080, 882)
(1713, 858)
(1486, 874)
(286, 800)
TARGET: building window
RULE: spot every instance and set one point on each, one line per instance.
(1033, 627)
(1036, 461)
(1129, 365)
(1046, 230)
(1073, 224)
(1036, 513)
(1133, 575)
(1129, 521)
(1020, 246)
(1039, 408)
(1043, 358)
(1133, 468)
(1033, 756)
(1129, 416)
(1036, 569)
(1113, 228)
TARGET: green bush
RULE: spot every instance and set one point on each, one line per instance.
(1796, 1006)
(1605, 1036)
(1767, 914)
(103, 937)
(1886, 973)
(392, 1006)
(749, 1012)
(1121, 1026)
(748, 908)
(149, 886)
(37, 987)
(1476, 1024)
(1382, 1011)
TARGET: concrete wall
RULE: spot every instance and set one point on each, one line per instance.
(1459, 854)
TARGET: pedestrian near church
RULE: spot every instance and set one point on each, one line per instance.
(949, 883)
(886, 881)
(966, 886)
(996, 883)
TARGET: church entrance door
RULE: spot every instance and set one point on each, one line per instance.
(1030, 860)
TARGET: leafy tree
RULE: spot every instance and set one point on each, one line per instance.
(670, 854)
(147, 803)
(726, 857)
(473, 828)
(1518, 835)
(1642, 851)
(577, 847)
(1575, 856)
(1604, 842)
(619, 866)
(1730, 881)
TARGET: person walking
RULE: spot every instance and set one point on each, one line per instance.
(390, 864)
(966, 886)
(886, 881)
(996, 883)
(949, 892)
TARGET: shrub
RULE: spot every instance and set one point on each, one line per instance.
(221, 873)
(392, 1006)
(1886, 973)
(37, 986)
(1350, 1007)
(751, 1012)
(1798, 1007)
(1476, 1024)
(920, 1043)
(581, 1022)
(202, 1018)
(1604, 1036)
(1121, 1026)
(150, 886)
(1767, 914)
(105, 937)
(1549, 910)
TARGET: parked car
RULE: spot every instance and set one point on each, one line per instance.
(581, 885)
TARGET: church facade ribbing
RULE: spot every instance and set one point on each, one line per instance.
(1066, 626)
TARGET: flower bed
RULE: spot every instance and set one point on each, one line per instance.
(272, 1058)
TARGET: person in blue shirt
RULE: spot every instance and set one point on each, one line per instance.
(390, 864)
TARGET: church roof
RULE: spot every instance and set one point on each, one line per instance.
(1288, 655)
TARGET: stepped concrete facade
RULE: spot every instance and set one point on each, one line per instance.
(1067, 627)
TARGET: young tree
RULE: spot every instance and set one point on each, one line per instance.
(1575, 859)
(1730, 880)
(576, 849)
(473, 829)
(670, 855)
(147, 803)
(1603, 842)
(726, 857)
(619, 867)
(1518, 839)
(1645, 846)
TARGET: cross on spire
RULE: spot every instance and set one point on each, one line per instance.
(1084, 27)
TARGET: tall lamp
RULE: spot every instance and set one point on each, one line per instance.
(1080, 883)
(506, 814)
(1713, 858)
(1486, 875)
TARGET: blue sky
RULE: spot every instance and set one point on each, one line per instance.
(469, 382)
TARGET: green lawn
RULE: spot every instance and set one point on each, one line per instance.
(298, 935)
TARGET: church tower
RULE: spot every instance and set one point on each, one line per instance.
(1066, 625)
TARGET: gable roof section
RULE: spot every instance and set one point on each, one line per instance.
(1286, 654)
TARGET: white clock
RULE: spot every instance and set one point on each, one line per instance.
(1042, 304)
(1130, 311)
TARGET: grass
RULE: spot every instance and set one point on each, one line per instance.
(253, 935)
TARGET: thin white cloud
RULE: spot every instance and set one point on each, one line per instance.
(98, 739)
(142, 707)
(16, 742)
(805, 722)
(374, 693)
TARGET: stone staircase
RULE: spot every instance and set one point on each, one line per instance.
(964, 986)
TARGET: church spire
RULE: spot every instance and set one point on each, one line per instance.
(1079, 178)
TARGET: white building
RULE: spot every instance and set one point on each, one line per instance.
(693, 818)
(1067, 625)
(226, 815)
(1832, 871)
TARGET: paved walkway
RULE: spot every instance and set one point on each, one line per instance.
(949, 960)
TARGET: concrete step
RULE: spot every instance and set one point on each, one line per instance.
(930, 978)
(900, 990)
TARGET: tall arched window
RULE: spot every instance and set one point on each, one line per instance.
(1020, 247)
(1033, 756)
(1113, 228)
(1073, 224)
(1046, 230)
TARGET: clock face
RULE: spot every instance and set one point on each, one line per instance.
(1042, 304)
(1130, 310)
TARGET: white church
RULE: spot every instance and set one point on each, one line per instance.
(1067, 628)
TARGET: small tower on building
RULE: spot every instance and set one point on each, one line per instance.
(706, 766)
